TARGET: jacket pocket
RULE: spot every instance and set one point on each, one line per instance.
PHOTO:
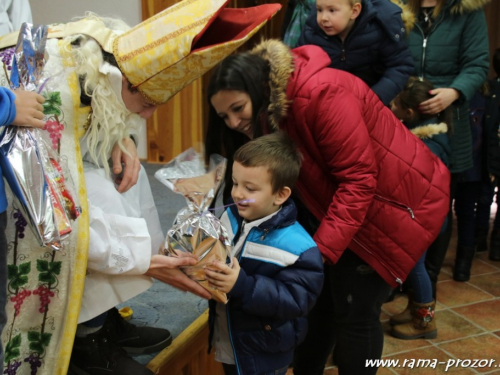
(395, 204)
(272, 337)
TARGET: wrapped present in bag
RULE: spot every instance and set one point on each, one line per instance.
(196, 230)
(31, 167)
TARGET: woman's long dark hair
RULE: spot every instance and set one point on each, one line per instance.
(240, 72)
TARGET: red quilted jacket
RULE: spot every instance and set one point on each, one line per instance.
(377, 189)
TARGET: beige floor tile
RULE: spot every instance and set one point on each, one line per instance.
(490, 283)
(484, 258)
(478, 347)
(431, 353)
(452, 293)
(452, 326)
(485, 314)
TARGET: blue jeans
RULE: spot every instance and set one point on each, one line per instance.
(3, 279)
(231, 370)
(420, 282)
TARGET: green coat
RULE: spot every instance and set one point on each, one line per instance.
(455, 55)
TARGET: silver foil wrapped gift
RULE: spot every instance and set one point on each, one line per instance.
(29, 164)
(196, 230)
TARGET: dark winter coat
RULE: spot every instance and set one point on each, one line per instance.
(491, 126)
(455, 55)
(375, 49)
(435, 136)
(280, 279)
(374, 186)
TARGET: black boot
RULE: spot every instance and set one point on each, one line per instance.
(481, 239)
(495, 245)
(463, 263)
(97, 354)
(136, 340)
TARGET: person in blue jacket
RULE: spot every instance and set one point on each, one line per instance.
(277, 270)
(365, 38)
(21, 108)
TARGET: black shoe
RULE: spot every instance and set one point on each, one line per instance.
(481, 239)
(97, 354)
(495, 245)
(463, 263)
(136, 340)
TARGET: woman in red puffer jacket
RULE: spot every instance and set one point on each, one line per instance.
(379, 195)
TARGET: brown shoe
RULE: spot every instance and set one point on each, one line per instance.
(406, 315)
(422, 325)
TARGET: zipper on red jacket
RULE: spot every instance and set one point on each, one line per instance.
(397, 205)
(396, 277)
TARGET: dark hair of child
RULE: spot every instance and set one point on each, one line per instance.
(276, 152)
(415, 92)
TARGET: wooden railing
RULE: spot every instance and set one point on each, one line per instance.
(187, 355)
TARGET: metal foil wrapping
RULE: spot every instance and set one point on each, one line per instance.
(196, 230)
(28, 163)
(26, 177)
(29, 57)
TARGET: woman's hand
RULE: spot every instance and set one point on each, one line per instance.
(442, 99)
(222, 277)
(131, 162)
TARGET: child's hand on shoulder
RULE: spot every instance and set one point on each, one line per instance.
(29, 109)
(222, 277)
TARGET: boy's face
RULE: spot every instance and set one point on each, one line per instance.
(254, 183)
(336, 17)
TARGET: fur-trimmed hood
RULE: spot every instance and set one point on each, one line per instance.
(429, 130)
(281, 65)
(406, 15)
(454, 6)
(433, 134)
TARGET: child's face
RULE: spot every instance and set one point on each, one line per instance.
(254, 183)
(398, 111)
(336, 17)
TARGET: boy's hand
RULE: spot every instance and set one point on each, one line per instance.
(222, 277)
(29, 109)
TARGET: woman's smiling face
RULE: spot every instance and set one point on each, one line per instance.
(235, 108)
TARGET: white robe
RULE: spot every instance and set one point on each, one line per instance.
(124, 232)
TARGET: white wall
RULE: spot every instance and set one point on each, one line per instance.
(55, 11)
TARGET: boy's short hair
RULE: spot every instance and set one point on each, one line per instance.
(278, 153)
(353, 2)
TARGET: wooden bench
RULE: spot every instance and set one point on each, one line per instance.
(187, 355)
